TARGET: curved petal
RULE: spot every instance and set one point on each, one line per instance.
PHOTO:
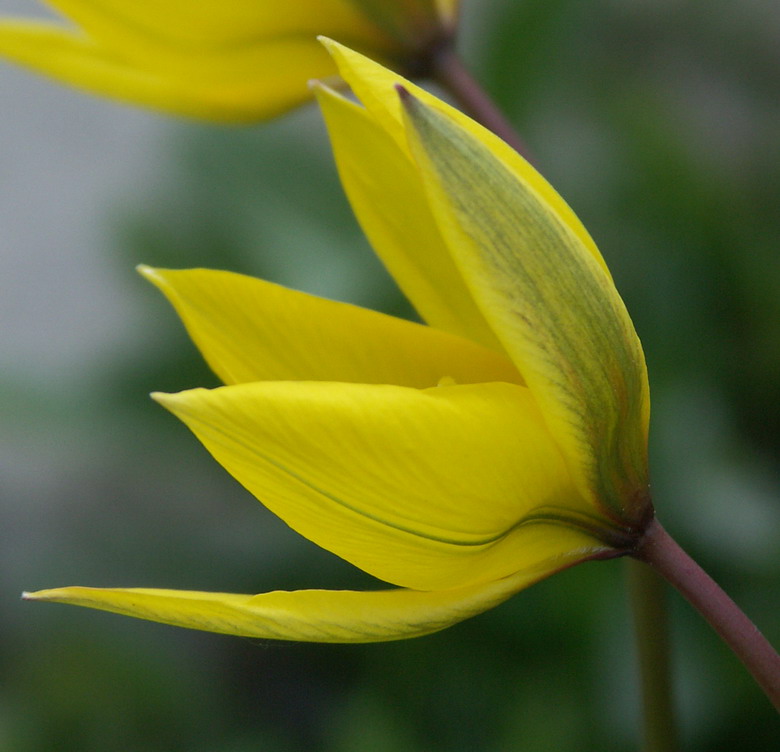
(535, 275)
(182, 23)
(306, 615)
(428, 489)
(375, 86)
(234, 85)
(390, 203)
(557, 313)
(252, 330)
(239, 85)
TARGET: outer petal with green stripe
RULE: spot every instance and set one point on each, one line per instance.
(459, 461)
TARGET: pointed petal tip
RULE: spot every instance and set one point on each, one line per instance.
(337, 50)
(177, 401)
(40, 595)
(151, 274)
(165, 399)
(333, 48)
(322, 87)
(404, 93)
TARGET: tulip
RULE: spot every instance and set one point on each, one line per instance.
(459, 461)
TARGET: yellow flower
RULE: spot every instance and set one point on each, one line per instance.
(233, 60)
(459, 461)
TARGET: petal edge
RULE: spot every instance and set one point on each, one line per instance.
(343, 616)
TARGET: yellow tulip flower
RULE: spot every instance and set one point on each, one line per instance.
(233, 60)
(459, 461)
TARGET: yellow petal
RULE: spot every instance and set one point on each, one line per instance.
(550, 302)
(251, 330)
(183, 25)
(237, 84)
(305, 615)
(428, 489)
(374, 85)
(390, 203)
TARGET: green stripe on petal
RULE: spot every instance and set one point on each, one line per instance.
(307, 615)
(428, 489)
(375, 86)
(251, 330)
(549, 301)
(389, 200)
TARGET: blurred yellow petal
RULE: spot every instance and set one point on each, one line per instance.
(306, 615)
(237, 84)
(236, 60)
(428, 489)
(251, 330)
(556, 311)
(183, 24)
(390, 203)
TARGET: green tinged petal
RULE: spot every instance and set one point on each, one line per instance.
(251, 330)
(530, 271)
(389, 201)
(306, 615)
(428, 489)
(549, 301)
(375, 87)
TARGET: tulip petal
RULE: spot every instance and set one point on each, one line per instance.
(417, 23)
(390, 203)
(375, 87)
(305, 615)
(428, 489)
(181, 23)
(252, 330)
(556, 311)
(234, 84)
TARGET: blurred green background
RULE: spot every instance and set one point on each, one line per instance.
(659, 122)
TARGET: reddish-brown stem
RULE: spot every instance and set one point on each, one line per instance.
(447, 69)
(659, 550)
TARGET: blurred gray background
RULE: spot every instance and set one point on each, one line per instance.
(658, 122)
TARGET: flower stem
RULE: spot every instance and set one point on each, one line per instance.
(660, 551)
(447, 69)
(647, 593)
